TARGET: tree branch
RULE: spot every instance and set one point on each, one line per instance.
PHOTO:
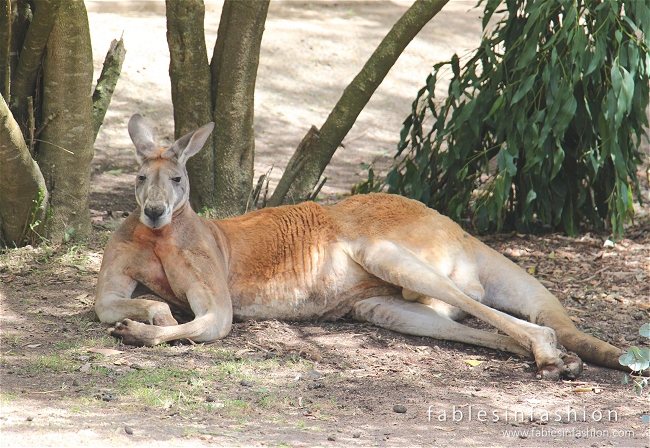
(297, 182)
(107, 81)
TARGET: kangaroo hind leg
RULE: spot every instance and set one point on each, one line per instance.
(399, 266)
(417, 319)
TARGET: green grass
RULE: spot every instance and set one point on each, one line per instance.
(6, 398)
(53, 363)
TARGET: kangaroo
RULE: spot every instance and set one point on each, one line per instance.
(380, 258)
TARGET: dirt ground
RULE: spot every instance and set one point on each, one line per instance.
(65, 383)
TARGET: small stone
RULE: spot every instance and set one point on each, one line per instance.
(356, 434)
(247, 383)
(128, 430)
(331, 437)
(400, 409)
(30, 418)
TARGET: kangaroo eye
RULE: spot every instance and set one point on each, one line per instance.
(142, 178)
(176, 179)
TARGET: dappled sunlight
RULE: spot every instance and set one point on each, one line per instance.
(310, 53)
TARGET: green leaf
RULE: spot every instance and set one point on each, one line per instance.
(530, 197)
(627, 88)
(558, 158)
(617, 77)
(523, 90)
(497, 104)
(627, 358)
(645, 330)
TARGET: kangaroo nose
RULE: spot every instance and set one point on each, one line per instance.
(154, 212)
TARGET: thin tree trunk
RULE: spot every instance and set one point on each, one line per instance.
(234, 72)
(20, 18)
(21, 184)
(106, 82)
(66, 149)
(304, 170)
(189, 72)
(24, 79)
(5, 48)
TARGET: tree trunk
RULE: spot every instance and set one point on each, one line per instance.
(66, 149)
(24, 79)
(189, 72)
(20, 18)
(234, 72)
(304, 170)
(5, 48)
(23, 196)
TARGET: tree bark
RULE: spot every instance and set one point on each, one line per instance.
(189, 72)
(234, 72)
(20, 18)
(106, 82)
(302, 173)
(21, 184)
(29, 63)
(5, 48)
(66, 149)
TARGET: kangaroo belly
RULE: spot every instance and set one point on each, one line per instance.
(326, 292)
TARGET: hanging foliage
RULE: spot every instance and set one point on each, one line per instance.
(542, 123)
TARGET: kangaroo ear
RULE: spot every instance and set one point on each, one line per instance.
(189, 144)
(142, 137)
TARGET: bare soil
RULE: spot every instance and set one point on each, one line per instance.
(303, 384)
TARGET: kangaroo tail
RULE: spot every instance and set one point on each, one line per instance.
(587, 347)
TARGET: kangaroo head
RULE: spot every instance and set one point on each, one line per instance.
(162, 186)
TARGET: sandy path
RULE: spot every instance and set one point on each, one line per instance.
(310, 52)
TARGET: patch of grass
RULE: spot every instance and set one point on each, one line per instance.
(165, 387)
(103, 341)
(66, 345)
(80, 257)
(6, 398)
(76, 346)
(304, 427)
(12, 339)
(55, 363)
(236, 408)
(191, 432)
(49, 363)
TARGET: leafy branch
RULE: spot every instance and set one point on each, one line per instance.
(541, 125)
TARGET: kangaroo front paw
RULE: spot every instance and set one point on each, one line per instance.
(134, 333)
(566, 367)
(164, 320)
